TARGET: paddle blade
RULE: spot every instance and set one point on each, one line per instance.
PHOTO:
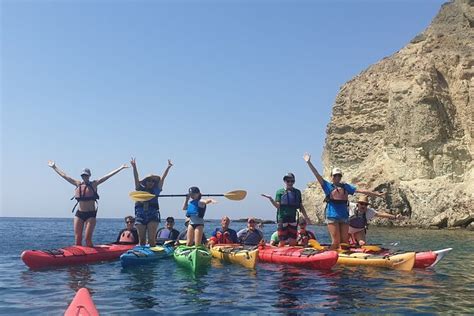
(140, 196)
(315, 244)
(371, 248)
(236, 195)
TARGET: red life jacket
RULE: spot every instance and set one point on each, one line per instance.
(127, 237)
(338, 194)
(223, 238)
(85, 192)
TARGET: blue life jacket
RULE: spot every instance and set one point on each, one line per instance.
(195, 210)
(291, 198)
(150, 205)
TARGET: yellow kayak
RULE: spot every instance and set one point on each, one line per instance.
(403, 262)
(236, 254)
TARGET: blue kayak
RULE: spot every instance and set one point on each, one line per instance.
(145, 254)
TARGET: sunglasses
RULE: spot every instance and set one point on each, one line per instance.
(251, 222)
(290, 181)
(130, 222)
(365, 204)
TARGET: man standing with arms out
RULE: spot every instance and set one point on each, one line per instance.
(287, 202)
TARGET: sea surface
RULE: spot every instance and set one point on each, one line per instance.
(226, 288)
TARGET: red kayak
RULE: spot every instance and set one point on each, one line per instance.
(38, 259)
(302, 257)
(82, 305)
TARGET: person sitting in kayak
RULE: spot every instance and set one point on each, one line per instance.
(304, 235)
(128, 235)
(224, 235)
(184, 234)
(274, 240)
(287, 202)
(86, 196)
(337, 202)
(359, 215)
(167, 233)
(250, 236)
(195, 210)
(147, 213)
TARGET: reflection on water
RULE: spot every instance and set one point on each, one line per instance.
(140, 285)
(80, 276)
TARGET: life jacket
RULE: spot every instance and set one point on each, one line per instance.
(127, 237)
(85, 192)
(249, 233)
(195, 210)
(358, 220)
(223, 237)
(338, 194)
(291, 198)
(148, 205)
(304, 237)
(166, 233)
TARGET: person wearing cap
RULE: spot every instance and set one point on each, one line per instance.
(337, 202)
(359, 215)
(250, 236)
(195, 209)
(304, 235)
(147, 213)
(287, 202)
(86, 196)
(184, 234)
(224, 234)
(167, 233)
(128, 235)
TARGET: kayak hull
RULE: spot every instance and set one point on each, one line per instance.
(195, 258)
(144, 255)
(302, 257)
(403, 262)
(41, 259)
(82, 305)
(236, 254)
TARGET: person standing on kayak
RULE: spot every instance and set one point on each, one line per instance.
(147, 213)
(167, 233)
(337, 202)
(128, 235)
(224, 234)
(287, 202)
(184, 235)
(250, 236)
(86, 196)
(359, 216)
(195, 210)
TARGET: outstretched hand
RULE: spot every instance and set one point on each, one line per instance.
(51, 163)
(381, 194)
(307, 157)
(133, 162)
(267, 196)
(124, 166)
(170, 164)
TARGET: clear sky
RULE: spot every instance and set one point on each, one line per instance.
(234, 92)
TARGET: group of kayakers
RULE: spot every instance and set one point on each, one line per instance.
(344, 220)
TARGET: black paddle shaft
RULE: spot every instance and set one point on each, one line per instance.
(184, 195)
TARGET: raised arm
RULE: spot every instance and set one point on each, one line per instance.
(163, 177)
(107, 176)
(274, 203)
(371, 193)
(135, 173)
(388, 215)
(307, 158)
(63, 175)
(185, 205)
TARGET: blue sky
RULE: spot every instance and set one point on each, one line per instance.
(234, 92)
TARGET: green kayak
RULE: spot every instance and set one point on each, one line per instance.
(196, 258)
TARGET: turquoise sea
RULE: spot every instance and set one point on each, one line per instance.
(225, 288)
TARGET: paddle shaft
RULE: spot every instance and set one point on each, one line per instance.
(184, 195)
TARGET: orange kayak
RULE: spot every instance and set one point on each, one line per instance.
(82, 305)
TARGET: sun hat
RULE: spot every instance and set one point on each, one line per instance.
(86, 171)
(363, 199)
(155, 178)
(336, 171)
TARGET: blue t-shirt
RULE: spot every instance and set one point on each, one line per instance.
(337, 210)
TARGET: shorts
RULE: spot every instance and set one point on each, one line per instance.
(196, 225)
(144, 217)
(86, 215)
(335, 220)
(287, 229)
(196, 220)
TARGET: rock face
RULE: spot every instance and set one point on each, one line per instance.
(406, 125)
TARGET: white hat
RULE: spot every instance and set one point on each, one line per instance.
(336, 171)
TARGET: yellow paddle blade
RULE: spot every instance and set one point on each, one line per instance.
(236, 195)
(140, 196)
(315, 244)
(372, 248)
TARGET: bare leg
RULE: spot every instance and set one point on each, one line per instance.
(190, 236)
(152, 227)
(344, 232)
(360, 237)
(198, 231)
(141, 229)
(78, 227)
(333, 229)
(90, 225)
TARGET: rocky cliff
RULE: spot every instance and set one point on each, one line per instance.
(406, 125)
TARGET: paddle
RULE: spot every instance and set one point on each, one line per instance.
(315, 244)
(141, 196)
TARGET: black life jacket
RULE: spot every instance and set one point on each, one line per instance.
(358, 220)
